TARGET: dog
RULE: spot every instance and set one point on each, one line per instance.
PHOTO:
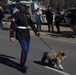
(54, 58)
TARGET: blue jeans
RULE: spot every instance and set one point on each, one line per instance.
(25, 48)
(38, 21)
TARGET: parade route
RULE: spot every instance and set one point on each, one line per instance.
(10, 54)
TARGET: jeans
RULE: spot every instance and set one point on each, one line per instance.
(25, 48)
(38, 21)
(1, 23)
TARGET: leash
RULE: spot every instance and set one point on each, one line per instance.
(46, 44)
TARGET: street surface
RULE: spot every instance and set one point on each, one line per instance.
(10, 54)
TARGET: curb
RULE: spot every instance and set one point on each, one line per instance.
(66, 33)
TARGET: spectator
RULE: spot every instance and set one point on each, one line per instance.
(49, 18)
(7, 13)
(73, 21)
(57, 19)
(1, 17)
(38, 20)
(62, 15)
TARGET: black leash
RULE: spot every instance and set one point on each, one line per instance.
(46, 44)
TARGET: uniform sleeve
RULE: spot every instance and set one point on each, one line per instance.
(31, 23)
(33, 26)
(12, 26)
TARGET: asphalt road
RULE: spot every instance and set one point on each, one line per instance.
(10, 56)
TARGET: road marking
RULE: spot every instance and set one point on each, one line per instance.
(64, 73)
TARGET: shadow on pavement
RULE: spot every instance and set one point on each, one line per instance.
(66, 34)
(45, 64)
(39, 62)
(5, 28)
(5, 59)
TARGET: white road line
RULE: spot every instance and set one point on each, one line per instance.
(64, 73)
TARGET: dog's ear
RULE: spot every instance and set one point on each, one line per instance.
(62, 53)
(59, 53)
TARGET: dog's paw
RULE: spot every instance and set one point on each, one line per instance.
(58, 67)
(55, 65)
(61, 67)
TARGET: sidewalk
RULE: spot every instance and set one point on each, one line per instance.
(66, 33)
(44, 27)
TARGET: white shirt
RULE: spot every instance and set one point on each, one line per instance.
(39, 12)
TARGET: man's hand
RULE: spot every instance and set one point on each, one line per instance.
(12, 39)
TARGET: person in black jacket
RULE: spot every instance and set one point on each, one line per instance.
(73, 21)
(49, 18)
(1, 17)
(57, 19)
(20, 25)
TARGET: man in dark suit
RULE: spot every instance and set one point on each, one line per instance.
(49, 18)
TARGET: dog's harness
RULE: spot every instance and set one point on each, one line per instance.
(52, 55)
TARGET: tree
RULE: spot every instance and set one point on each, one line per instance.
(74, 1)
(59, 3)
(46, 2)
